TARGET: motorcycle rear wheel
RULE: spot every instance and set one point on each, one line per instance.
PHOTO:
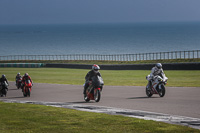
(97, 95)
(148, 92)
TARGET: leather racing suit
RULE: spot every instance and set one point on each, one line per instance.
(88, 78)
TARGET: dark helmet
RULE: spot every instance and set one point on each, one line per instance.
(26, 74)
(3, 76)
(159, 65)
(95, 68)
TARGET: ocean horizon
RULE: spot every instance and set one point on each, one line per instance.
(103, 39)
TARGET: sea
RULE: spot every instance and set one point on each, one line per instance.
(103, 39)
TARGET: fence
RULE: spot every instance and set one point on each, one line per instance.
(194, 54)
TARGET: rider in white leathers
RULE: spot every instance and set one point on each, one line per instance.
(157, 70)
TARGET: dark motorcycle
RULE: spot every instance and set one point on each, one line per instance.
(19, 83)
(93, 92)
(3, 88)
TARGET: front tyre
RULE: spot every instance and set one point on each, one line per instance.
(86, 98)
(29, 92)
(18, 86)
(162, 91)
(24, 92)
(97, 95)
(148, 91)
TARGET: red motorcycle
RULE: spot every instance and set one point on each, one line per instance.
(93, 92)
(27, 88)
(19, 83)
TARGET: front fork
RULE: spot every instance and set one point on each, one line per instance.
(149, 85)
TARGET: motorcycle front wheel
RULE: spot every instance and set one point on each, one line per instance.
(86, 98)
(162, 91)
(18, 86)
(97, 95)
(29, 92)
(24, 92)
(5, 92)
(148, 92)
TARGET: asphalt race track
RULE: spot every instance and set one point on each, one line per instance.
(180, 101)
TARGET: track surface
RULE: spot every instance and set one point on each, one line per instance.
(182, 101)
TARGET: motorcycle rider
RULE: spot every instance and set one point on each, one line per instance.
(24, 78)
(18, 76)
(90, 74)
(156, 70)
(3, 79)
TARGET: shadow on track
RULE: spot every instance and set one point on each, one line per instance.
(82, 102)
(14, 97)
(12, 89)
(141, 97)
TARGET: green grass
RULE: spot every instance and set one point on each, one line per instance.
(189, 78)
(28, 118)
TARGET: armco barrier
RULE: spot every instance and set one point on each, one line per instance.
(23, 65)
(166, 66)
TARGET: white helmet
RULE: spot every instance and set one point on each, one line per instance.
(159, 65)
(95, 68)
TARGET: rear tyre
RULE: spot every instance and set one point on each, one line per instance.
(148, 92)
(162, 91)
(97, 95)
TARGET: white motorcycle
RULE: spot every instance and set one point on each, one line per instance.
(157, 86)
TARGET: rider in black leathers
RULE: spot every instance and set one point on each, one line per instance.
(3, 79)
(18, 76)
(90, 74)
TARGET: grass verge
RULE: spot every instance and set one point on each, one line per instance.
(189, 78)
(28, 118)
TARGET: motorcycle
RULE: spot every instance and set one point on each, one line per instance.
(157, 86)
(93, 92)
(27, 88)
(19, 82)
(3, 88)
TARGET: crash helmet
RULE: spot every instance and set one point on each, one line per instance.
(3, 76)
(159, 65)
(26, 74)
(18, 74)
(95, 68)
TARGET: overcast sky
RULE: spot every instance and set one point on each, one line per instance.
(97, 11)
